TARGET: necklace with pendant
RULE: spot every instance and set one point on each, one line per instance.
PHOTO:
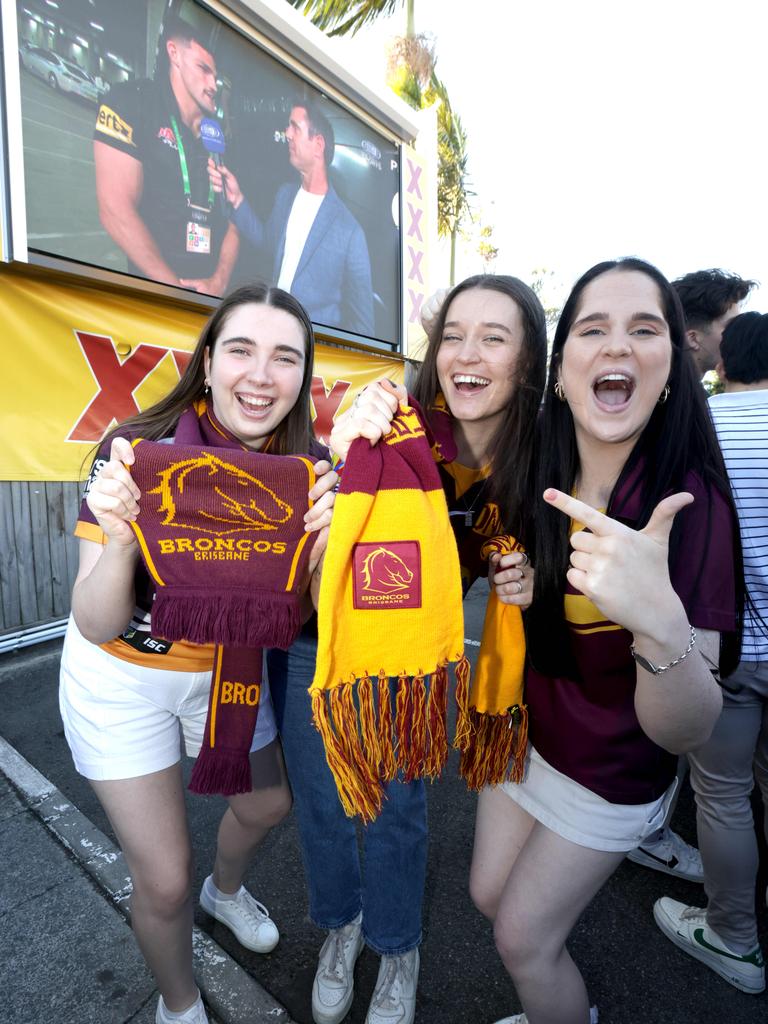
(468, 512)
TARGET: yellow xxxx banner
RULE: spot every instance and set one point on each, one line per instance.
(81, 357)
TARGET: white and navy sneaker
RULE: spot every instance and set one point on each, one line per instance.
(672, 855)
(687, 927)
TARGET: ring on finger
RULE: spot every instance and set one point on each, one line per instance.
(524, 563)
(519, 587)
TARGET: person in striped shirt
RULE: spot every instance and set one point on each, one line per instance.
(724, 935)
(710, 300)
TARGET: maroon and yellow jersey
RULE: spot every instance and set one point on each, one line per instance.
(586, 726)
(473, 516)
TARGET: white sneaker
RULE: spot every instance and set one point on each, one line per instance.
(334, 984)
(246, 918)
(194, 1015)
(687, 927)
(672, 855)
(394, 998)
(520, 1018)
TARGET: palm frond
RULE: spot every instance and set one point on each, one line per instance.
(344, 17)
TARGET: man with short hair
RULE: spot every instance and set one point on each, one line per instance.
(152, 186)
(724, 935)
(710, 299)
(318, 249)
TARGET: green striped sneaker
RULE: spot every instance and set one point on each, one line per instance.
(687, 927)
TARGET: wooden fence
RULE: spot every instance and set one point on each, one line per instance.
(38, 554)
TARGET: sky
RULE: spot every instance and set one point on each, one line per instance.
(597, 130)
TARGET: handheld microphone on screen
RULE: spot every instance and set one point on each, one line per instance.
(212, 137)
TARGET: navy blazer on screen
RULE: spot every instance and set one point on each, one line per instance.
(333, 276)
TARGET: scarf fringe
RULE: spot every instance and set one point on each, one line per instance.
(366, 745)
(358, 795)
(221, 772)
(437, 736)
(386, 745)
(242, 618)
(464, 725)
(496, 749)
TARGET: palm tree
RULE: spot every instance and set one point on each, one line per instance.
(453, 192)
(411, 74)
(343, 16)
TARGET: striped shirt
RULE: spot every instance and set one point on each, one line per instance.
(741, 421)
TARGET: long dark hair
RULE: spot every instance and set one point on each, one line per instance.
(511, 448)
(293, 435)
(678, 438)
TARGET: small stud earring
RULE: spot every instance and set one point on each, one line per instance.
(559, 390)
(664, 394)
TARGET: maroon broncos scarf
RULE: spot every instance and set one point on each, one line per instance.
(221, 532)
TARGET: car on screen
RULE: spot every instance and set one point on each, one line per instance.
(60, 74)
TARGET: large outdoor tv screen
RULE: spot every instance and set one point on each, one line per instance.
(135, 114)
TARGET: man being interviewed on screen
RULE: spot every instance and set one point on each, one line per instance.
(152, 187)
(317, 248)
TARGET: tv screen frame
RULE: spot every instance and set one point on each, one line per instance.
(260, 85)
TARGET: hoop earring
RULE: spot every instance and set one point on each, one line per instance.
(559, 390)
(664, 394)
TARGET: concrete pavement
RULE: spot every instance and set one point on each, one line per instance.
(68, 951)
(65, 944)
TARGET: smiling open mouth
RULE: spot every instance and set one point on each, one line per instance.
(255, 404)
(468, 383)
(613, 389)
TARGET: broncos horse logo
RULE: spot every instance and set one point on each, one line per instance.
(384, 572)
(242, 502)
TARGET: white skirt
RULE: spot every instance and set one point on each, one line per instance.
(581, 816)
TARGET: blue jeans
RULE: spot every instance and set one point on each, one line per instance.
(390, 890)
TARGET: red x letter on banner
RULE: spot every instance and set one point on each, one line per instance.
(327, 404)
(117, 381)
(181, 358)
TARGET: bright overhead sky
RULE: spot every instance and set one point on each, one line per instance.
(603, 129)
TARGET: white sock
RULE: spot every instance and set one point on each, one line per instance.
(180, 1016)
(217, 894)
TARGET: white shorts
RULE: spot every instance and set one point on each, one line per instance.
(123, 720)
(581, 816)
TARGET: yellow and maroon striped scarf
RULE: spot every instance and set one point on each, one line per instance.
(390, 619)
(492, 723)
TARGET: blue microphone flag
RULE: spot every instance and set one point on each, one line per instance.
(212, 135)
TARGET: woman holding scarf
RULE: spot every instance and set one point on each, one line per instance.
(481, 384)
(126, 695)
(635, 611)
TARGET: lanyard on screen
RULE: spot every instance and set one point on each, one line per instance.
(185, 171)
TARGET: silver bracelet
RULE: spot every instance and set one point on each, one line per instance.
(656, 670)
